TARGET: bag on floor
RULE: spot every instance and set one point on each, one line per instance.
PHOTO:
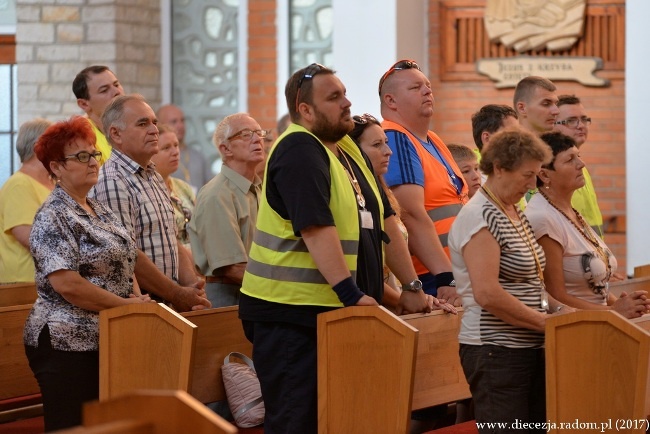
(243, 391)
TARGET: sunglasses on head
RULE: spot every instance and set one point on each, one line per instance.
(310, 72)
(401, 65)
(364, 119)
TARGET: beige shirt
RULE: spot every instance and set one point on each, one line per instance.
(222, 226)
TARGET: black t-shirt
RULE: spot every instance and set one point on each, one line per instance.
(298, 186)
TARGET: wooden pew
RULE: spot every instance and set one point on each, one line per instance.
(379, 358)
(151, 412)
(597, 371)
(219, 332)
(19, 391)
(16, 294)
(642, 271)
(171, 359)
(630, 285)
(366, 363)
(144, 346)
(438, 377)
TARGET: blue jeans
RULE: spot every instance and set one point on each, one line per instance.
(507, 384)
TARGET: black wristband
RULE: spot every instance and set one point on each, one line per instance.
(348, 292)
(444, 279)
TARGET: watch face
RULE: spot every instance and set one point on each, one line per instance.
(414, 286)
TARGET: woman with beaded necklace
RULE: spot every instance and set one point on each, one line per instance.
(579, 264)
(499, 271)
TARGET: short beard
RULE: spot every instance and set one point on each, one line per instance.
(330, 132)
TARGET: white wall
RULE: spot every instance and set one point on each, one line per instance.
(369, 36)
(637, 94)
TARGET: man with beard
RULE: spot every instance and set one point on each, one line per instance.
(318, 246)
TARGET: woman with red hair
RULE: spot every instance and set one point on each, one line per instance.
(84, 260)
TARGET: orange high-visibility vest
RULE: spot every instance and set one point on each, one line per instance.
(441, 200)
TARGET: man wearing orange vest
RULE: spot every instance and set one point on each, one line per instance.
(422, 174)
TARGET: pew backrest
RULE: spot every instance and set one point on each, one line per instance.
(219, 332)
(16, 294)
(630, 285)
(149, 412)
(597, 365)
(144, 346)
(16, 378)
(439, 376)
(366, 361)
(171, 362)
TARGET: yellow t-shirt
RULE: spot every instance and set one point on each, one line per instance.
(101, 144)
(20, 198)
(585, 201)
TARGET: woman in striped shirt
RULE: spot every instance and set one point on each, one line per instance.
(499, 267)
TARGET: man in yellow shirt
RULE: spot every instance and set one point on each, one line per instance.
(95, 87)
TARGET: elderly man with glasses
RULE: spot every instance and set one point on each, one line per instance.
(422, 174)
(574, 122)
(221, 230)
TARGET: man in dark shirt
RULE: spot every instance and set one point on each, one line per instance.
(318, 246)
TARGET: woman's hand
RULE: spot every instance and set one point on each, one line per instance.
(633, 305)
(134, 299)
(436, 304)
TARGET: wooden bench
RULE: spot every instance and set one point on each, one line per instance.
(149, 346)
(429, 372)
(597, 371)
(630, 285)
(151, 412)
(16, 294)
(642, 271)
(19, 391)
(369, 380)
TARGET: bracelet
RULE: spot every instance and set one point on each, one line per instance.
(348, 292)
(445, 279)
(559, 308)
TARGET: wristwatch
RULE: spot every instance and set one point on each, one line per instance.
(414, 286)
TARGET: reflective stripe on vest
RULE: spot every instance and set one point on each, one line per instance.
(444, 212)
(280, 268)
(287, 274)
(278, 244)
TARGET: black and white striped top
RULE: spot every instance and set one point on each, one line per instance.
(517, 274)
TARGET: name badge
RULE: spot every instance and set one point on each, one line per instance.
(366, 219)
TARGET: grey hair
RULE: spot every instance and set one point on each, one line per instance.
(114, 113)
(28, 134)
(224, 129)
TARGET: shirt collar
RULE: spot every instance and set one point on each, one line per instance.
(123, 160)
(240, 182)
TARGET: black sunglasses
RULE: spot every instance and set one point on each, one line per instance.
(310, 72)
(402, 64)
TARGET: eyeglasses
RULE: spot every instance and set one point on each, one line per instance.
(247, 134)
(402, 64)
(310, 72)
(84, 157)
(573, 122)
(364, 119)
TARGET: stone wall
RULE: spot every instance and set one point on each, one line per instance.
(58, 38)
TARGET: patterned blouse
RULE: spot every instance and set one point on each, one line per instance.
(183, 199)
(66, 237)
